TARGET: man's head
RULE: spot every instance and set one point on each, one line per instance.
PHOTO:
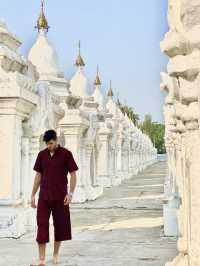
(50, 137)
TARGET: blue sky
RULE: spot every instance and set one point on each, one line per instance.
(122, 36)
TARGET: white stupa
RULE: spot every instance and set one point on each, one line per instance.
(79, 84)
(43, 54)
(110, 104)
(97, 94)
(44, 57)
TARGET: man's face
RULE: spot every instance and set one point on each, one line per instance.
(51, 144)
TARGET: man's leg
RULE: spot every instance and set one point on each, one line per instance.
(43, 215)
(41, 260)
(57, 245)
(62, 226)
(42, 248)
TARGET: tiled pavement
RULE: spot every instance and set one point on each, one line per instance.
(122, 227)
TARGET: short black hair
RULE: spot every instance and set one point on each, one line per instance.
(49, 135)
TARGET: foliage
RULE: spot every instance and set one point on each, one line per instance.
(155, 131)
(130, 112)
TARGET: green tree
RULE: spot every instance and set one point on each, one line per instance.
(130, 112)
(155, 131)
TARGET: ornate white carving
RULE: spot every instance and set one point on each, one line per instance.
(47, 113)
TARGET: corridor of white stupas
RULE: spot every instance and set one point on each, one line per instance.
(35, 96)
(130, 207)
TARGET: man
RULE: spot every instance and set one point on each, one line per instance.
(52, 166)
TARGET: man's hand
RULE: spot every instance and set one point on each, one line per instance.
(67, 199)
(33, 205)
(35, 188)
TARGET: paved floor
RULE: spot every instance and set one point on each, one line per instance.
(123, 227)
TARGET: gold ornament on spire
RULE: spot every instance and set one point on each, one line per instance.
(79, 60)
(42, 22)
(97, 80)
(110, 92)
(118, 101)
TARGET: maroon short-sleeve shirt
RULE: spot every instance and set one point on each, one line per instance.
(54, 169)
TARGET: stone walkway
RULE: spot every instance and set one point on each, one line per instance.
(122, 228)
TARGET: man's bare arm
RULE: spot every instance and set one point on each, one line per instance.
(36, 185)
(73, 180)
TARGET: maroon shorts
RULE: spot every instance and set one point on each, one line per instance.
(61, 220)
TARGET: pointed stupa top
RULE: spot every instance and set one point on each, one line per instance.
(110, 92)
(118, 102)
(97, 80)
(79, 59)
(42, 54)
(42, 22)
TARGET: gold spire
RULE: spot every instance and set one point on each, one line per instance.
(42, 22)
(118, 101)
(110, 92)
(97, 80)
(79, 60)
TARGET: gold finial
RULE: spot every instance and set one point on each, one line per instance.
(79, 60)
(118, 101)
(110, 92)
(42, 22)
(97, 80)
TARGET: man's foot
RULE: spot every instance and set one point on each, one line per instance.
(38, 263)
(55, 259)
